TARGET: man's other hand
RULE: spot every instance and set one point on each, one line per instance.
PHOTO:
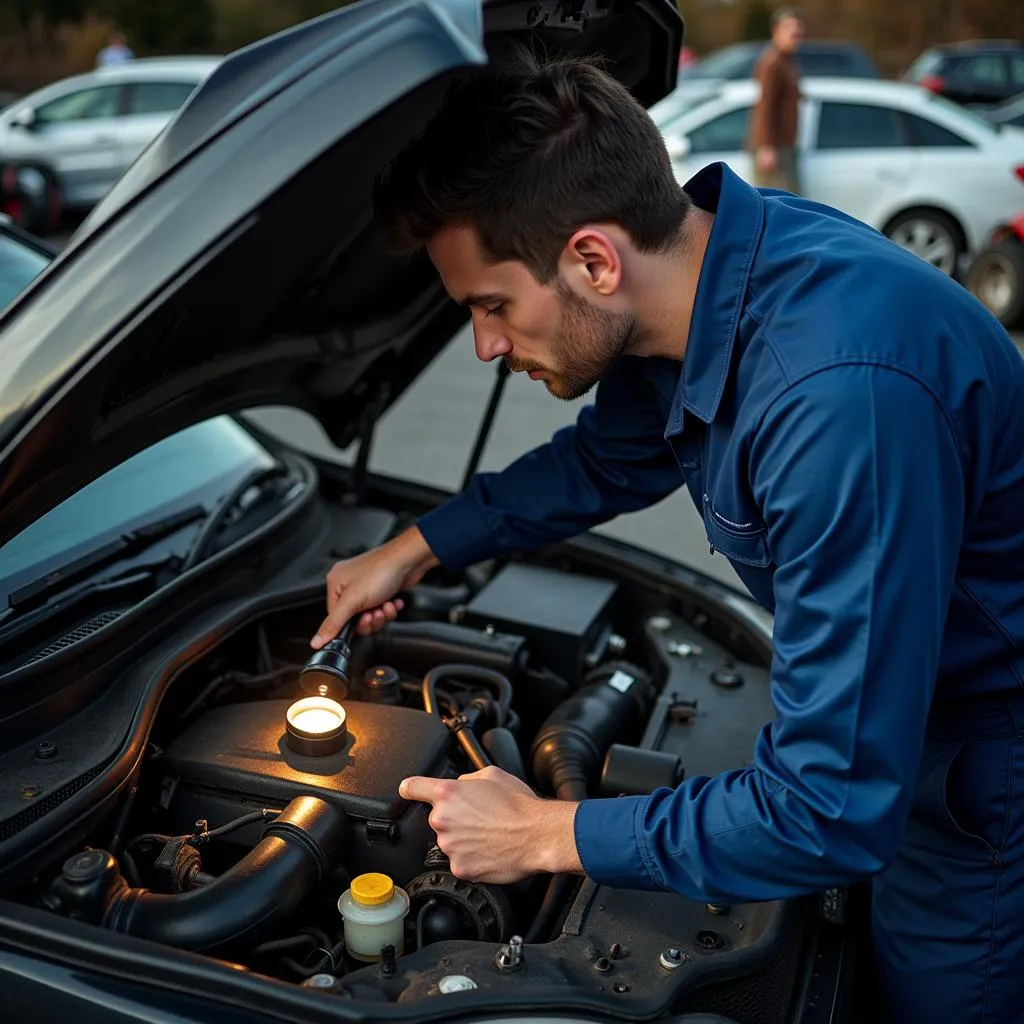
(494, 828)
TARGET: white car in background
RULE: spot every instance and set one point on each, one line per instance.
(931, 175)
(81, 133)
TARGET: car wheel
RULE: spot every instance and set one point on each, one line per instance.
(996, 277)
(930, 234)
(30, 196)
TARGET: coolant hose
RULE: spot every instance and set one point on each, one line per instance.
(240, 906)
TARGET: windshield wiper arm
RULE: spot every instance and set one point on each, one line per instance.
(125, 546)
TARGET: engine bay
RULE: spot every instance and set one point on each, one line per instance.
(266, 829)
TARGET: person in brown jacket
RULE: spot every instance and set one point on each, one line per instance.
(774, 120)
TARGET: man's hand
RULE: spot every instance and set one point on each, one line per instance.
(368, 582)
(767, 159)
(494, 828)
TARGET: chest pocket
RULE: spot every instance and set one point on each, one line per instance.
(745, 542)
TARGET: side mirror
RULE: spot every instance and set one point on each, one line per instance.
(25, 119)
(678, 147)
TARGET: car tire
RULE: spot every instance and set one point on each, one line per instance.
(930, 234)
(996, 278)
(30, 195)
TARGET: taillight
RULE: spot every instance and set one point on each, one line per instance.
(932, 82)
(1019, 171)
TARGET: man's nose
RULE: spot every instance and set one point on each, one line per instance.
(490, 344)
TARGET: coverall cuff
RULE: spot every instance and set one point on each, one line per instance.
(458, 532)
(609, 844)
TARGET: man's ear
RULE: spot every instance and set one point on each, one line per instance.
(592, 263)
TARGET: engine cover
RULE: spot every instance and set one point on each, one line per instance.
(236, 758)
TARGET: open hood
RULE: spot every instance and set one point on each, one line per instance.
(236, 265)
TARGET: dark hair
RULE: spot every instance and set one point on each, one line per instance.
(526, 152)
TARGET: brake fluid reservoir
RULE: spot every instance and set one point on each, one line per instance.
(374, 911)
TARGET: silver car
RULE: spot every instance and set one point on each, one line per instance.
(84, 131)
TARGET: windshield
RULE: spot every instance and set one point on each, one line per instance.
(730, 62)
(196, 466)
(18, 265)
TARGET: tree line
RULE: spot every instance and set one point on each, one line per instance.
(41, 40)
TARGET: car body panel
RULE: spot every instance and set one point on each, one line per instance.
(975, 183)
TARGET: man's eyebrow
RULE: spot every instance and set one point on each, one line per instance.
(482, 299)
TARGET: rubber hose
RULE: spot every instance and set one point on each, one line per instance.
(501, 747)
(570, 746)
(494, 681)
(246, 902)
(472, 749)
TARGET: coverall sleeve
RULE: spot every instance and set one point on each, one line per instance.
(614, 459)
(859, 478)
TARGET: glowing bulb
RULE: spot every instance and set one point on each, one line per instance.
(316, 726)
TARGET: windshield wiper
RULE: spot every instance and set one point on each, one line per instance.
(126, 546)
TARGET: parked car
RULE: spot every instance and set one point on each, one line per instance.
(81, 133)
(996, 274)
(173, 843)
(733, 63)
(1010, 112)
(977, 72)
(926, 172)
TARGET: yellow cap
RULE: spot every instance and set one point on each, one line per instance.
(372, 888)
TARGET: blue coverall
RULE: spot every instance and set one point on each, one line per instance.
(850, 423)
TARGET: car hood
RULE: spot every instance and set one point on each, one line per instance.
(235, 265)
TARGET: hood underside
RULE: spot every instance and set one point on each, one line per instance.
(235, 264)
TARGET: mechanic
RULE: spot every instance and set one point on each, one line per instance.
(848, 421)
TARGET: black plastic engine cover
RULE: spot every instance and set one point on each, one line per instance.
(236, 758)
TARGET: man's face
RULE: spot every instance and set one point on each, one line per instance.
(547, 331)
(789, 34)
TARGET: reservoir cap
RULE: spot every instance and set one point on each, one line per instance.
(372, 889)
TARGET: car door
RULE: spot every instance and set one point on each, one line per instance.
(148, 107)
(76, 135)
(860, 159)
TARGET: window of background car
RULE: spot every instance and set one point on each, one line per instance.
(924, 132)
(926, 64)
(730, 62)
(989, 70)
(158, 97)
(859, 126)
(962, 113)
(1017, 70)
(726, 133)
(83, 105)
(18, 265)
(194, 466)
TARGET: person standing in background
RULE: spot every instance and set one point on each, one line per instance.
(774, 121)
(116, 51)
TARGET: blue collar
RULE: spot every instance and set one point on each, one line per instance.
(721, 290)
